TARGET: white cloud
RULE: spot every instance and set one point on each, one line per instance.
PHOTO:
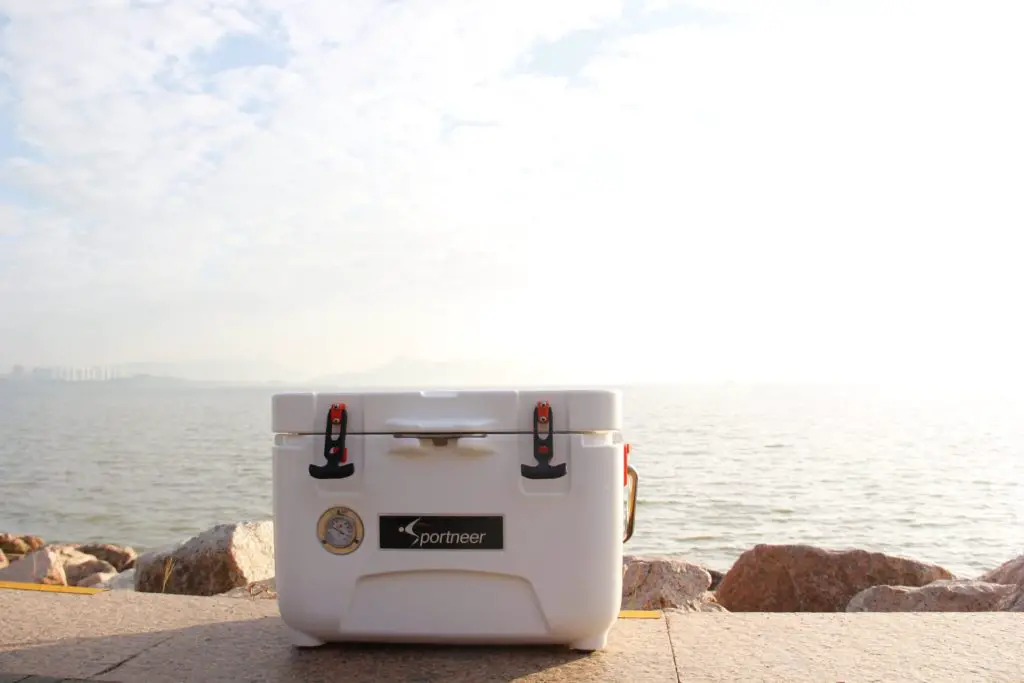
(792, 188)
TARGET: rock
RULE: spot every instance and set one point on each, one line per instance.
(97, 580)
(938, 596)
(121, 558)
(63, 547)
(77, 571)
(3, 560)
(716, 579)
(15, 545)
(1014, 602)
(19, 545)
(34, 542)
(1008, 572)
(666, 583)
(39, 566)
(262, 590)
(125, 581)
(801, 578)
(78, 565)
(219, 559)
(706, 603)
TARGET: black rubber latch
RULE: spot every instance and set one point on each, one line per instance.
(543, 446)
(335, 452)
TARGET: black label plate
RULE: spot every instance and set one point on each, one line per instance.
(442, 532)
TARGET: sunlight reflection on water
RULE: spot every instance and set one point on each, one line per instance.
(722, 468)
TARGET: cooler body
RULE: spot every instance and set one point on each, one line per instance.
(449, 517)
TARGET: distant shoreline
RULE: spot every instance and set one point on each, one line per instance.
(148, 380)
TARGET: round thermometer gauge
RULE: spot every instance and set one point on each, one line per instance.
(340, 530)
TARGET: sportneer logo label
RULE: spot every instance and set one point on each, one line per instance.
(442, 532)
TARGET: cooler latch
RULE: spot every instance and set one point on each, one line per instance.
(543, 446)
(335, 453)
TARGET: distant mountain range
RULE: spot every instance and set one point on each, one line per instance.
(213, 371)
(401, 372)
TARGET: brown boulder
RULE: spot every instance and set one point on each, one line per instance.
(34, 542)
(219, 559)
(19, 545)
(1007, 572)
(801, 578)
(1013, 602)
(122, 558)
(15, 545)
(62, 547)
(39, 566)
(79, 566)
(666, 583)
(938, 596)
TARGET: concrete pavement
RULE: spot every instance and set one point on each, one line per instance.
(147, 638)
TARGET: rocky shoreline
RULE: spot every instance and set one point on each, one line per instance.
(237, 561)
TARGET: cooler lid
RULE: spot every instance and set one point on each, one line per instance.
(473, 411)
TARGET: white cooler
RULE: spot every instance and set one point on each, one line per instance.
(455, 517)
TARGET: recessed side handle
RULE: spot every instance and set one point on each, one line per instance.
(633, 481)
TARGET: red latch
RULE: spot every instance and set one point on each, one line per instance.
(625, 465)
(543, 412)
(336, 412)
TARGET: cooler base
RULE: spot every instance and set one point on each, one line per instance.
(303, 640)
(448, 607)
(592, 643)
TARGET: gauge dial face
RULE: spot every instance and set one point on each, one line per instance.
(340, 530)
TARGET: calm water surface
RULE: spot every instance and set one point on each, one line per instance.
(723, 468)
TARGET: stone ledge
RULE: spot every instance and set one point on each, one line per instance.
(133, 637)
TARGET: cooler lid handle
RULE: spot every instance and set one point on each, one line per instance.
(441, 425)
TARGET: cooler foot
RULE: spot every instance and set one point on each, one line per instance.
(590, 643)
(300, 639)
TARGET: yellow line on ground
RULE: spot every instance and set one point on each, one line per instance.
(15, 585)
(18, 586)
(640, 614)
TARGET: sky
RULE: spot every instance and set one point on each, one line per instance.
(635, 190)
